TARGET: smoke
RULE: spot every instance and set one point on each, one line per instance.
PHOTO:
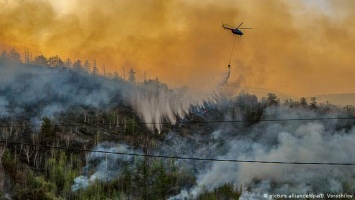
(291, 141)
(106, 166)
(284, 141)
(3, 107)
(308, 143)
(288, 39)
(34, 92)
(153, 37)
(183, 44)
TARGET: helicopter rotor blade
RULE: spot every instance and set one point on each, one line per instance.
(240, 25)
(226, 26)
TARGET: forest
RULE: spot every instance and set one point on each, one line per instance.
(69, 131)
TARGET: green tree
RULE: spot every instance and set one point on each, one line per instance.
(163, 182)
(226, 191)
(47, 129)
(246, 106)
(9, 162)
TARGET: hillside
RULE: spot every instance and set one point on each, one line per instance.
(67, 133)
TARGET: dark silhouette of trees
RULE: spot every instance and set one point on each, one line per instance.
(116, 76)
(55, 61)
(272, 99)
(87, 66)
(303, 102)
(3, 55)
(40, 60)
(246, 107)
(68, 63)
(14, 56)
(95, 70)
(77, 65)
(28, 56)
(47, 129)
(349, 109)
(313, 103)
(291, 103)
(132, 76)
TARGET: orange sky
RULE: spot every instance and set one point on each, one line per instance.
(294, 47)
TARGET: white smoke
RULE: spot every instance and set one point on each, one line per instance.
(290, 141)
(44, 91)
(53, 91)
(106, 165)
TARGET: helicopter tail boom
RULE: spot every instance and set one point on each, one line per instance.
(226, 26)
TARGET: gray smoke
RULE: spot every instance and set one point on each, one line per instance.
(291, 141)
(36, 91)
(3, 107)
(285, 141)
(41, 91)
(106, 166)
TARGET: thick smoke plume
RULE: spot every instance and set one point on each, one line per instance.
(105, 167)
(291, 141)
(312, 39)
(34, 92)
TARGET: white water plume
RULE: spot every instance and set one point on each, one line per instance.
(156, 103)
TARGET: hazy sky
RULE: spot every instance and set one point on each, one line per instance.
(301, 48)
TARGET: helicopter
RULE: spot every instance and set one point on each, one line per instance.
(235, 31)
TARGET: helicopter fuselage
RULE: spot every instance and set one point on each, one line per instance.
(234, 30)
(237, 31)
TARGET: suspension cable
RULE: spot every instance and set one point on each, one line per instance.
(5, 142)
(230, 57)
